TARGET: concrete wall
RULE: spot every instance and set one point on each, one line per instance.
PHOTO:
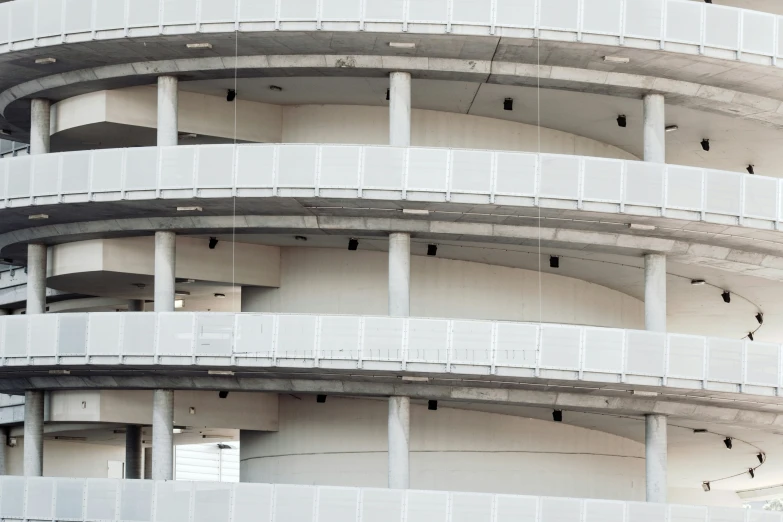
(68, 459)
(343, 443)
(331, 281)
(264, 123)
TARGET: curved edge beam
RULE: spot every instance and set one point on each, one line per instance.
(687, 94)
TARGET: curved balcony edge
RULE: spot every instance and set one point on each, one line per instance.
(108, 500)
(414, 174)
(302, 343)
(671, 25)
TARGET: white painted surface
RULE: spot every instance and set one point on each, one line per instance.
(344, 443)
(241, 263)
(332, 281)
(68, 459)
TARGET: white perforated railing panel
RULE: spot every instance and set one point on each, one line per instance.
(460, 347)
(107, 500)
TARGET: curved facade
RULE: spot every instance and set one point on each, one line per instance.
(422, 260)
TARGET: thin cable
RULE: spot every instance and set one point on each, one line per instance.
(234, 199)
(538, 129)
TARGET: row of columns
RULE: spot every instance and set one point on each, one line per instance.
(399, 302)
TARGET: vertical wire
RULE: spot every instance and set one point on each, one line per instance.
(538, 162)
(233, 182)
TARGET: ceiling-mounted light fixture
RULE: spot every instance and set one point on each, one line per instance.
(672, 128)
(275, 88)
(554, 262)
(705, 486)
(617, 59)
(320, 399)
(727, 442)
(45, 61)
(751, 473)
(231, 95)
(220, 296)
(705, 144)
(432, 405)
(726, 295)
(760, 456)
(622, 121)
(508, 104)
(353, 244)
(750, 335)
(750, 169)
(432, 250)
(557, 415)
(698, 282)
(760, 318)
(189, 209)
(213, 242)
(402, 45)
(201, 45)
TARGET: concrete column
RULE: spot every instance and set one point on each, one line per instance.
(168, 124)
(165, 264)
(136, 305)
(400, 109)
(40, 120)
(399, 274)
(163, 435)
(33, 433)
(654, 128)
(133, 452)
(399, 442)
(655, 453)
(36, 279)
(655, 292)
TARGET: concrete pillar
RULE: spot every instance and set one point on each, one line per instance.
(165, 264)
(133, 452)
(399, 442)
(136, 305)
(36, 279)
(655, 292)
(40, 120)
(655, 453)
(33, 433)
(399, 274)
(400, 109)
(168, 123)
(654, 128)
(163, 435)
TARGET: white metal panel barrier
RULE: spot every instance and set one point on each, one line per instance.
(108, 500)
(675, 25)
(383, 173)
(460, 347)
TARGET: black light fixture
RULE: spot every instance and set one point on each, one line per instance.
(727, 442)
(705, 144)
(751, 473)
(707, 1)
(750, 335)
(622, 121)
(432, 405)
(300, 238)
(760, 456)
(726, 295)
(432, 250)
(508, 104)
(213, 241)
(388, 94)
(320, 399)
(554, 262)
(353, 244)
(557, 415)
(705, 485)
(231, 95)
(760, 318)
(750, 169)
(223, 394)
